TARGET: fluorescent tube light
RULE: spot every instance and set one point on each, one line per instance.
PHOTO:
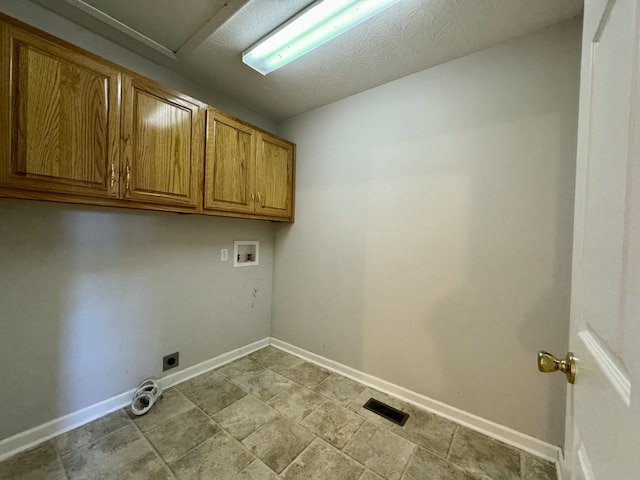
(322, 21)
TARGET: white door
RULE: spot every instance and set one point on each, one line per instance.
(603, 408)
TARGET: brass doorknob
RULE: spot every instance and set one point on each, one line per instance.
(549, 363)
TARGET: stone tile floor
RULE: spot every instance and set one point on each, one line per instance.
(266, 416)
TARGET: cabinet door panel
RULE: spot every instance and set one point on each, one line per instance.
(228, 169)
(274, 177)
(160, 158)
(64, 120)
(162, 133)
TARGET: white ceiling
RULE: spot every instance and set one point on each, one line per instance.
(168, 23)
(204, 40)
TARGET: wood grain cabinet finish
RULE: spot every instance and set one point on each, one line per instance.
(274, 176)
(77, 128)
(60, 120)
(162, 134)
(247, 171)
(229, 172)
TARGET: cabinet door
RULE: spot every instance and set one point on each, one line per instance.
(229, 165)
(274, 177)
(61, 118)
(161, 158)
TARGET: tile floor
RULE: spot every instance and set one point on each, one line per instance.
(267, 416)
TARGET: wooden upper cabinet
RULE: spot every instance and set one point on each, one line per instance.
(77, 128)
(229, 176)
(274, 176)
(247, 171)
(162, 136)
(61, 118)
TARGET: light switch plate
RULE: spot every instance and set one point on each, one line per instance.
(224, 254)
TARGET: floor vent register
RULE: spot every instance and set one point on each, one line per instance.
(392, 414)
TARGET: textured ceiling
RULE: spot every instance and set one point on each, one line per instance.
(407, 37)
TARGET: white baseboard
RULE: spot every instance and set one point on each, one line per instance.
(30, 438)
(507, 435)
(34, 436)
(188, 373)
(560, 467)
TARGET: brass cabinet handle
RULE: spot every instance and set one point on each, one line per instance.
(113, 175)
(549, 363)
(259, 199)
(128, 178)
(253, 199)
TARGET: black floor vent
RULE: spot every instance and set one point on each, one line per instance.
(386, 411)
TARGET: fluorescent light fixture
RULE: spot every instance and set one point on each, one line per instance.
(322, 21)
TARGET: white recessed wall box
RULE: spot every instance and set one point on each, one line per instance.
(246, 253)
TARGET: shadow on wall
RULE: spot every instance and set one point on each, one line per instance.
(91, 299)
(74, 311)
(515, 296)
(433, 235)
(25, 283)
(319, 271)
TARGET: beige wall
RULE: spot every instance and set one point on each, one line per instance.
(91, 299)
(432, 245)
